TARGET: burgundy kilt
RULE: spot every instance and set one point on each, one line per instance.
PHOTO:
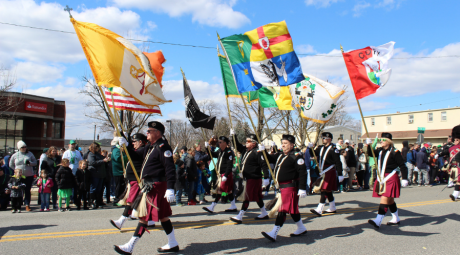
(393, 187)
(289, 199)
(227, 186)
(330, 179)
(133, 191)
(157, 197)
(253, 190)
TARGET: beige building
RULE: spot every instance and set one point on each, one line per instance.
(403, 126)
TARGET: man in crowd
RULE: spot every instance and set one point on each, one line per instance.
(73, 156)
(118, 159)
(351, 163)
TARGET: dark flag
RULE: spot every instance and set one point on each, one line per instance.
(194, 115)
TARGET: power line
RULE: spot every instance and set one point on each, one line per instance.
(443, 100)
(205, 47)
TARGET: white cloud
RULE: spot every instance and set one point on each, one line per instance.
(305, 49)
(36, 73)
(320, 3)
(215, 13)
(174, 90)
(152, 25)
(359, 8)
(389, 4)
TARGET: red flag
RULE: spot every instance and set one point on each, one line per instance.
(156, 60)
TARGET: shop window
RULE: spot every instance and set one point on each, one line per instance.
(45, 125)
(57, 129)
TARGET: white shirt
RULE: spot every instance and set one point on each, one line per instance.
(42, 157)
(68, 154)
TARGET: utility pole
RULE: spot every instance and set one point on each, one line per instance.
(94, 139)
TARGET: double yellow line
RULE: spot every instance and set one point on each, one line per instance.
(189, 225)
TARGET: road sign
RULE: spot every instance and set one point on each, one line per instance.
(420, 139)
(421, 130)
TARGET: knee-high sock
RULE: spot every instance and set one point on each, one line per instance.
(141, 227)
(167, 226)
(280, 219)
(393, 208)
(245, 206)
(295, 217)
(329, 196)
(127, 210)
(457, 188)
(260, 203)
(383, 209)
(217, 198)
(322, 200)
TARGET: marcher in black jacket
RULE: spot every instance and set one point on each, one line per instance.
(51, 165)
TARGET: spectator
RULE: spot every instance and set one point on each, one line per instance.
(24, 160)
(10, 171)
(191, 170)
(433, 163)
(422, 165)
(82, 177)
(201, 175)
(405, 150)
(410, 162)
(180, 179)
(65, 181)
(4, 191)
(361, 168)
(17, 186)
(351, 163)
(96, 166)
(107, 180)
(62, 151)
(73, 156)
(183, 153)
(117, 170)
(343, 185)
(44, 184)
(51, 165)
(202, 156)
(42, 157)
(340, 144)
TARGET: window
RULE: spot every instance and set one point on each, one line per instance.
(341, 136)
(411, 119)
(351, 137)
(388, 120)
(359, 137)
(443, 116)
(430, 117)
(10, 134)
(373, 121)
(45, 125)
(57, 129)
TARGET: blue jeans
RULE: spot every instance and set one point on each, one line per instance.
(178, 196)
(191, 193)
(45, 198)
(96, 185)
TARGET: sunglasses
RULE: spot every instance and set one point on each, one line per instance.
(383, 140)
(150, 131)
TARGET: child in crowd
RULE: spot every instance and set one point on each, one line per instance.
(344, 184)
(17, 185)
(83, 178)
(44, 185)
(180, 178)
(201, 173)
(65, 181)
(4, 191)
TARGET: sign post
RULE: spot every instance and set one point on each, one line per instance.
(420, 139)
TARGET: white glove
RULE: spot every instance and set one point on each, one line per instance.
(416, 169)
(368, 141)
(404, 183)
(170, 195)
(206, 144)
(341, 179)
(310, 145)
(261, 147)
(302, 193)
(436, 156)
(232, 132)
(273, 144)
(224, 178)
(265, 182)
(122, 140)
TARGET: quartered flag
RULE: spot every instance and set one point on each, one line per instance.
(368, 68)
(197, 118)
(263, 57)
(116, 62)
(317, 99)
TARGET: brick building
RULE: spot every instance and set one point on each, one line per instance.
(38, 121)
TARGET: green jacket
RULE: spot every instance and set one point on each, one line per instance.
(117, 166)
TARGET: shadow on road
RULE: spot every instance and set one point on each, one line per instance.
(5, 230)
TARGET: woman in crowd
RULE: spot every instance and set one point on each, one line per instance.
(24, 160)
(191, 169)
(180, 178)
(97, 167)
(361, 168)
(51, 164)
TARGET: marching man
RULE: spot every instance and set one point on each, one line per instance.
(454, 157)
(387, 186)
(291, 176)
(158, 176)
(330, 166)
(253, 164)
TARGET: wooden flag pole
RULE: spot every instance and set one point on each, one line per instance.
(114, 120)
(367, 134)
(209, 151)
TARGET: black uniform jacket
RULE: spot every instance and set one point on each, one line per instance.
(138, 159)
(394, 161)
(159, 162)
(290, 167)
(332, 158)
(224, 161)
(252, 162)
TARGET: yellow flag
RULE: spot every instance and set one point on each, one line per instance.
(116, 62)
(282, 96)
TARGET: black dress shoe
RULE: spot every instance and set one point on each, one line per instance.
(173, 249)
(263, 218)
(315, 212)
(120, 251)
(235, 220)
(393, 223)
(231, 210)
(373, 224)
(115, 225)
(206, 209)
(452, 197)
(268, 237)
(303, 233)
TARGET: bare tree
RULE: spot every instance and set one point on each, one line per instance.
(8, 81)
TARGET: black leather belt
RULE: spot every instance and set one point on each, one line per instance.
(288, 185)
(156, 179)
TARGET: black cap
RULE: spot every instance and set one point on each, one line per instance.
(253, 137)
(456, 132)
(139, 137)
(157, 125)
(327, 134)
(290, 138)
(184, 148)
(387, 135)
(224, 138)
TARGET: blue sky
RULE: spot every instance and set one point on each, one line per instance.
(51, 63)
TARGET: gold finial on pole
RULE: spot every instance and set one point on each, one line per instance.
(341, 48)
(68, 9)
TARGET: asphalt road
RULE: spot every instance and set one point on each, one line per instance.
(429, 225)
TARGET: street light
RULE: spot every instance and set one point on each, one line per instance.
(169, 130)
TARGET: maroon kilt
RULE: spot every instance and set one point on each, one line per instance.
(227, 186)
(393, 187)
(133, 191)
(253, 190)
(157, 197)
(289, 199)
(330, 179)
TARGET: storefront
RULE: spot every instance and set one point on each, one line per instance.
(38, 121)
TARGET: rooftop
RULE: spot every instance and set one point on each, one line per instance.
(399, 113)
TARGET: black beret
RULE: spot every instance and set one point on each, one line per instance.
(290, 138)
(139, 137)
(387, 135)
(224, 138)
(157, 125)
(184, 148)
(456, 132)
(252, 137)
(327, 134)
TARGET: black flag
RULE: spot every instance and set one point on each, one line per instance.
(193, 113)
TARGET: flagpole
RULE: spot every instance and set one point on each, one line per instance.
(367, 133)
(121, 126)
(313, 149)
(118, 132)
(209, 151)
